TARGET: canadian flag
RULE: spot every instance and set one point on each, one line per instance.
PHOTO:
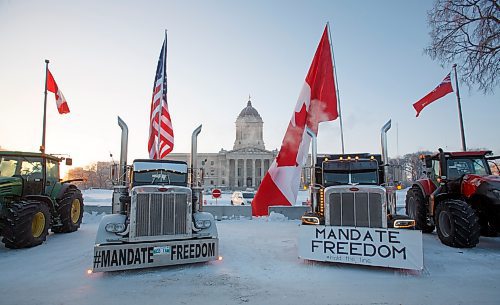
(62, 105)
(317, 103)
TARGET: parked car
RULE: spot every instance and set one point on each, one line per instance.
(242, 198)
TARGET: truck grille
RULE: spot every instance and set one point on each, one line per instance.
(355, 208)
(161, 214)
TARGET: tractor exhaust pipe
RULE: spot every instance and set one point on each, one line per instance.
(314, 156)
(122, 173)
(385, 156)
(196, 186)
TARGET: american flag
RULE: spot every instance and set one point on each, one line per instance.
(161, 136)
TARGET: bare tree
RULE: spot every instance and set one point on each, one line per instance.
(413, 167)
(467, 32)
(93, 175)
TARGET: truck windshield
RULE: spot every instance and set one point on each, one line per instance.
(358, 177)
(340, 172)
(160, 173)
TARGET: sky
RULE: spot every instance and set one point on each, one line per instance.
(103, 56)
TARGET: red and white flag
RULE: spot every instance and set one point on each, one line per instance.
(161, 133)
(317, 103)
(441, 90)
(62, 105)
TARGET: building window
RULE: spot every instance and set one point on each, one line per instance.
(211, 182)
(212, 162)
(212, 172)
(223, 182)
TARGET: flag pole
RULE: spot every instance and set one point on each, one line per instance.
(336, 88)
(164, 89)
(42, 148)
(462, 133)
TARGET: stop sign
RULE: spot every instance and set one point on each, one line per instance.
(216, 193)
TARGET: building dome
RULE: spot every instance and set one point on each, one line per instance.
(249, 111)
(249, 129)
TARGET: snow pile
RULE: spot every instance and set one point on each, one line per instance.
(276, 217)
(97, 197)
(93, 217)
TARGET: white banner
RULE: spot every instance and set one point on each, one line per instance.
(394, 248)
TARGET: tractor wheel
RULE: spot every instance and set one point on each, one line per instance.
(416, 208)
(457, 224)
(27, 224)
(70, 211)
(487, 228)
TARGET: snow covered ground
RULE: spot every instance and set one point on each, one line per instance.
(259, 266)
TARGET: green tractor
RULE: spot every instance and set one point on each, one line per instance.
(33, 199)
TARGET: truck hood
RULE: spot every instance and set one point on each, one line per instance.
(10, 186)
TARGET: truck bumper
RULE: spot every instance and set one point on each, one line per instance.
(115, 257)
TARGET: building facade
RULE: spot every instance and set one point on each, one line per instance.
(245, 165)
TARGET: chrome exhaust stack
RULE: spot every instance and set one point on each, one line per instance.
(122, 178)
(196, 185)
(314, 156)
(385, 156)
(121, 189)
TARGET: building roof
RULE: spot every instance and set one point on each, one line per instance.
(249, 111)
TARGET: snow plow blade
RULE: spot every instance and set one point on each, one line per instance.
(115, 257)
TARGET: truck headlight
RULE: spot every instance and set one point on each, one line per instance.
(404, 223)
(115, 227)
(310, 220)
(203, 224)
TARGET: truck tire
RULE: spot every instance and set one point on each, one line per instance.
(70, 211)
(416, 208)
(457, 224)
(27, 224)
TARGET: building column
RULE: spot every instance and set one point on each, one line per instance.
(235, 173)
(227, 171)
(218, 170)
(245, 173)
(253, 173)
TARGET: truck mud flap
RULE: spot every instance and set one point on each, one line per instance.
(114, 257)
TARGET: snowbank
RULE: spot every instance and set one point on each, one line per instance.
(97, 197)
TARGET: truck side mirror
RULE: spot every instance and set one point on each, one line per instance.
(69, 161)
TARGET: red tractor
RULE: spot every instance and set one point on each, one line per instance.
(460, 197)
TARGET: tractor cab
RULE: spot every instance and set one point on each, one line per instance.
(27, 171)
(450, 167)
